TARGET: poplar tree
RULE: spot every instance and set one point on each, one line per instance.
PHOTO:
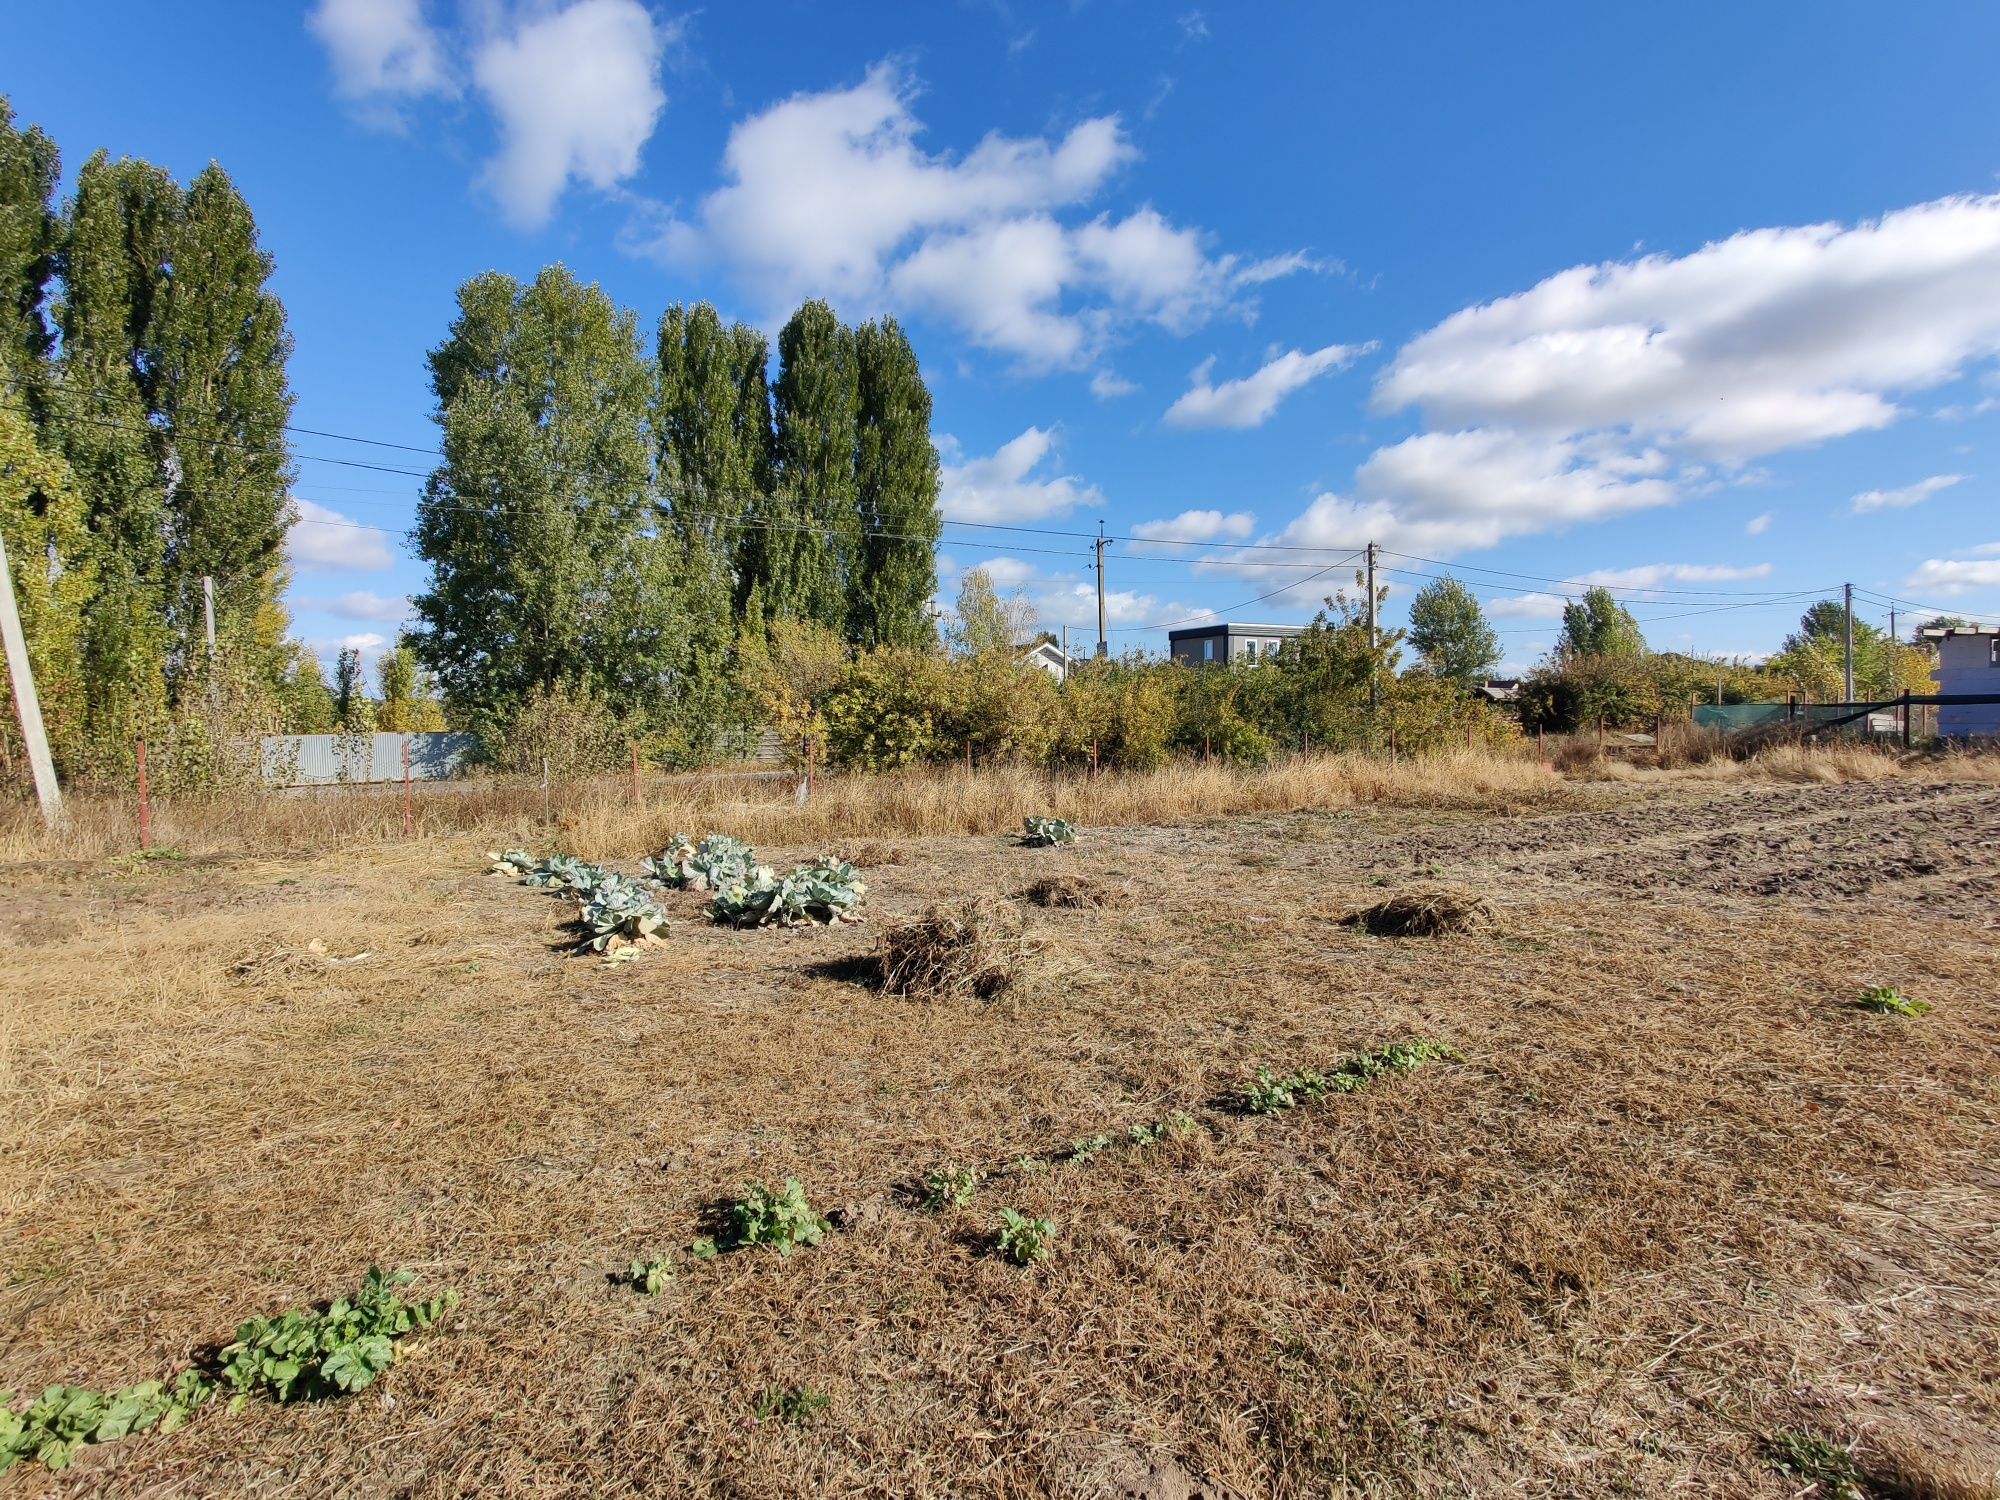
(894, 573)
(218, 349)
(801, 559)
(29, 167)
(712, 425)
(113, 261)
(550, 565)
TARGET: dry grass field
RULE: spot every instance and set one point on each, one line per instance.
(1678, 1197)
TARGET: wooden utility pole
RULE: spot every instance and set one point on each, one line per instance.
(27, 707)
(1847, 669)
(1103, 645)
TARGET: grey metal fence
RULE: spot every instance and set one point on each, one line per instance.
(324, 759)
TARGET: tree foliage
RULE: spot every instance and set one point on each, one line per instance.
(1450, 635)
(1597, 625)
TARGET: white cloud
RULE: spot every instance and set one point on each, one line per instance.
(1005, 486)
(1651, 577)
(322, 540)
(1908, 495)
(1537, 606)
(1757, 525)
(1199, 526)
(576, 93)
(1955, 575)
(381, 49)
(1252, 401)
(1108, 385)
(830, 194)
(360, 604)
(1763, 341)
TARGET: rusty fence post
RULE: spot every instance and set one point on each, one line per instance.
(1600, 736)
(1541, 760)
(1392, 744)
(636, 799)
(1094, 763)
(145, 804)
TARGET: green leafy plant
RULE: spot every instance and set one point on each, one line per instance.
(1021, 1239)
(827, 890)
(1030, 1166)
(1270, 1094)
(617, 913)
(650, 1276)
(1174, 1125)
(1885, 1000)
(1083, 1150)
(781, 1218)
(66, 1417)
(1041, 833)
(797, 1404)
(1814, 1460)
(516, 862)
(714, 864)
(312, 1353)
(947, 1187)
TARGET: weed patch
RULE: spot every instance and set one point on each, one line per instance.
(650, 1276)
(1815, 1461)
(1270, 1094)
(796, 1404)
(314, 1353)
(948, 1187)
(781, 1218)
(66, 1417)
(1023, 1240)
(1884, 1000)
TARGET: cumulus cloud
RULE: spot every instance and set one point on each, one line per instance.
(576, 93)
(1908, 495)
(1011, 484)
(1536, 606)
(1650, 577)
(1253, 400)
(360, 604)
(832, 194)
(381, 50)
(1108, 385)
(323, 540)
(1199, 526)
(1980, 569)
(1763, 341)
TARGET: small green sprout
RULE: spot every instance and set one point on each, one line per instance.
(1886, 1000)
(1023, 1240)
(948, 1187)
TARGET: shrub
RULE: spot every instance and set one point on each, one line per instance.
(570, 729)
(781, 1218)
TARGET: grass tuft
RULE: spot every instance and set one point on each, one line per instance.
(1425, 911)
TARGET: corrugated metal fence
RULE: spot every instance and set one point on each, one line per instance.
(323, 759)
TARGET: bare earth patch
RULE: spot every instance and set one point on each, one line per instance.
(1678, 1196)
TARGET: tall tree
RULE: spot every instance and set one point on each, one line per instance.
(1598, 625)
(984, 621)
(550, 566)
(802, 555)
(113, 261)
(219, 350)
(409, 699)
(351, 708)
(894, 573)
(29, 166)
(712, 422)
(1450, 633)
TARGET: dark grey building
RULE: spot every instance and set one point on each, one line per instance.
(1212, 645)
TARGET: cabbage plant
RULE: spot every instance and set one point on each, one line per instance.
(1040, 833)
(826, 891)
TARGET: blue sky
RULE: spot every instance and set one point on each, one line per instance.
(1701, 300)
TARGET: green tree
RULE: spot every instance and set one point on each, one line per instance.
(305, 702)
(550, 563)
(1598, 625)
(802, 556)
(409, 698)
(1448, 629)
(1329, 669)
(352, 712)
(712, 424)
(984, 621)
(29, 232)
(217, 354)
(54, 570)
(894, 573)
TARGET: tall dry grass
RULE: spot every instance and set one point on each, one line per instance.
(599, 817)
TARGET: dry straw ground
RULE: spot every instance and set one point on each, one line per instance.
(1679, 1195)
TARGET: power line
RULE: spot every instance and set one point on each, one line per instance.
(1209, 614)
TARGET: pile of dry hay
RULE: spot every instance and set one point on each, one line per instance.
(1425, 911)
(1073, 891)
(972, 948)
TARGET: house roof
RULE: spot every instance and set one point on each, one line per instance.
(1232, 627)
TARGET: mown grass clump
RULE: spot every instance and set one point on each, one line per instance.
(1075, 892)
(968, 950)
(1425, 911)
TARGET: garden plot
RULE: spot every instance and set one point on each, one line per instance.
(1679, 1209)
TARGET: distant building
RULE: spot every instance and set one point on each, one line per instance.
(1501, 690)
(1216, 645)
(1968, 662)
(1049, 657)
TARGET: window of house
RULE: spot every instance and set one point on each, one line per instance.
(1208, 649)
(1994, 652)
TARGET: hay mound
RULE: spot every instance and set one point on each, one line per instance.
(971, 949)
(1425, 911)
(1072, 891)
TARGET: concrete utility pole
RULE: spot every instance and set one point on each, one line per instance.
(1847, 670)
(1103, 646)
(1065, 670)
(26, 704)
(1374, 636)
(208, 612)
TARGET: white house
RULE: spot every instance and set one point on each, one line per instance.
(1968, 662)
(1049, 657)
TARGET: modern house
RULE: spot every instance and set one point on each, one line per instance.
(1215, 645)
(1968, 662)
